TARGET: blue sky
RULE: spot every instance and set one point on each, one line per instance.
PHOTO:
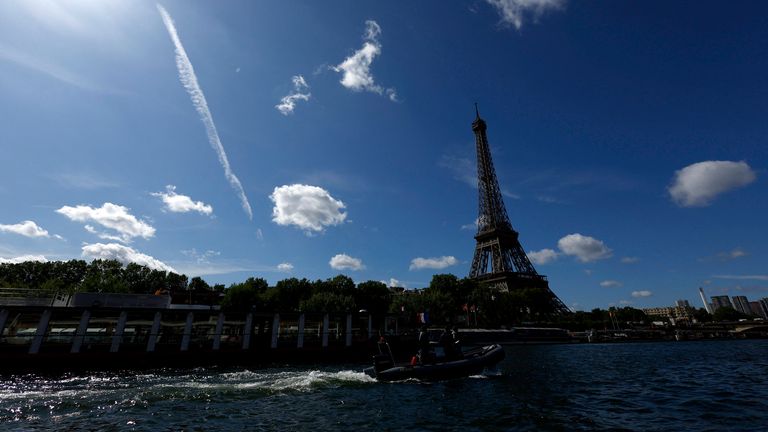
(278, 139)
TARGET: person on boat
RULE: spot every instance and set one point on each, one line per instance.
(456, 342)
(448, 343)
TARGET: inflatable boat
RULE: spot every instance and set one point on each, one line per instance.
(472, 362)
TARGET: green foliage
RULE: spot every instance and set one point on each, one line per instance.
(328, 302)
(97, 276)
(728, 314)
(373, 296)
(701, 315)
(288, 294)
(198, 284)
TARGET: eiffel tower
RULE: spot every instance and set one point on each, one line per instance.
(500, 261)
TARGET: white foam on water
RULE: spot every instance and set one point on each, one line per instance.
(292, 380)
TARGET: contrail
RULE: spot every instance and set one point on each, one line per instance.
(189, 80)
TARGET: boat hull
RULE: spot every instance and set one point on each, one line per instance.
(473, 363)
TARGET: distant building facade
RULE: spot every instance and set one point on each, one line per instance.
(756, 308)
(741, 304)
(673, 313)
(721, 301)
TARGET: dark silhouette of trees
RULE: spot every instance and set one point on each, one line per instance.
(97, 276)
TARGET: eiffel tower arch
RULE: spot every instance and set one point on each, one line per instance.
(499, 261)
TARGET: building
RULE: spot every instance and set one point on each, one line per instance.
(721, 301)
(704, 300)
(682, 303)
(741, 304)
(757, 309)
(764, 307)
(673, 313)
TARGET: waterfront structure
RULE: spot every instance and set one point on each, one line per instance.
(741, 304)
(704, 300)
(675, 313)
(499, 261)
(721, 301)
(134, 335)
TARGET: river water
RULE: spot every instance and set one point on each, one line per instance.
(703, 386)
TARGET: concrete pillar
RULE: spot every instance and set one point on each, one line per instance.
(370, 325)
(300, 341)
(348, 334)
(117, 338)
(42, 328)
(3, 319)
(187, 332)
(217, 334)
(247, 331)
(275, 330)
(154, 332)
(325, 330)
(80, 334)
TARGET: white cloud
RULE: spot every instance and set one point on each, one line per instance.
(189, 81)
(611, 284)
(200, 257)
(345, 262)
(629, 260)
(357, 67)
(310, 208)
(644, 293)
(470, 226)
(43, 65)
(102, 235)
(285, 267)
(111, 216)
(698, 184)
(26, 228)
(743, 277)
(124, 254)
(732, 255)
(432, 263)
(584, 248)
(514, 11)
(463, 169)
(394, 283)
(23, 258)
(181, 203)
(543, 256)
(288, 103)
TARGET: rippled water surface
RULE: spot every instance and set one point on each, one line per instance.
(715, 386)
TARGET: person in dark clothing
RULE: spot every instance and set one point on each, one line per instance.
(456, 342)
(448, 343)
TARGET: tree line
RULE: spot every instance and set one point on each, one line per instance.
(447, 299)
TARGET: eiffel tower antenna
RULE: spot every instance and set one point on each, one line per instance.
(500, 261)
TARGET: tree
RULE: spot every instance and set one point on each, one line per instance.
(373, 296)
(328, 302)
(727, 313)
(288, 294)
(198, 284)
(701, 315)
(241, 298)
